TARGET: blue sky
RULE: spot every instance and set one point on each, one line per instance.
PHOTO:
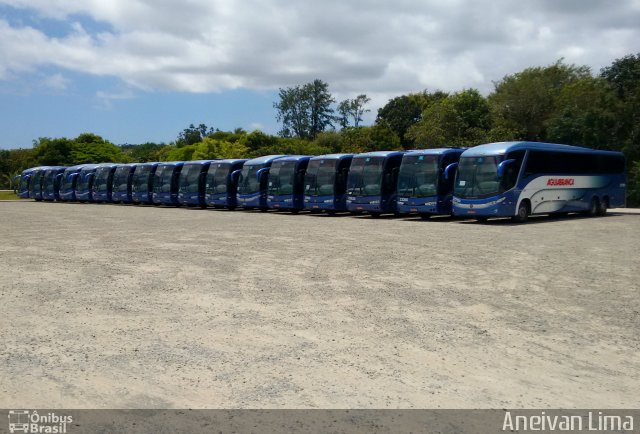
(142, 70)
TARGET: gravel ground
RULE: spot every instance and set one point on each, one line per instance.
(106, 306)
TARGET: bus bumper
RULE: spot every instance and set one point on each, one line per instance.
(165, 199)
(190, 199)
(285, 201)
(255, 200)
(424, 205)
(327, 203)
(497, 206)
(372, 204)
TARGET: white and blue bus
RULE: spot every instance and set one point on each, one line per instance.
(518, 179)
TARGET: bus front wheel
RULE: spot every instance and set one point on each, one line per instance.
(604, 205)
(523, 213)
(594, 208)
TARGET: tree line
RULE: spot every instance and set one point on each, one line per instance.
(561, 103)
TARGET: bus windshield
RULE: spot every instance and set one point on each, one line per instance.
(419, 176)
(281, 177)
(140, 180)
(48, 181)
(477, 177)
(320, 177)
(101, 179)
(365, 176)
(24, 182)
(189, 178)
(83, 180)
(248, 182)
(217, 177)
(120, 178)
(162, 179)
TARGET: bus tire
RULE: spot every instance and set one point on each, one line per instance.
(604, 205)
(522, 215)
(594, 208)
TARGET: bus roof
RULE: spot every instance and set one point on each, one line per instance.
(149, 163)
(380, 154)
(436, 151)
(231, 160)
(295, 158)
(331, 157)
(89, 167)
(504, 147)
(56, 168)
(171, 163)
(263, 160)
(199, 162)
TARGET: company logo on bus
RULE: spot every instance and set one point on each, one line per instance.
(561, 181)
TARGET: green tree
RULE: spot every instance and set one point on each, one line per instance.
(91, 148)
(378, 137)
(523, 102)
(352, 110)
(586, 114)
(399, 114)
(305, 111)
(211, 148)
(624, 78)
(52, 152)
(192, 135)
(143, 153)
(461, 119)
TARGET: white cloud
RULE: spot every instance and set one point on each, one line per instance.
(376, 47)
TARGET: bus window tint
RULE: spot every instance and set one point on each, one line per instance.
(281, 177)
(478, 177)
(320, 177)
(189, 178)
(217, 178)
(141, 179)
(365, 176)
(162, 180)
(248, 182)
(120, 178)
(418, 176)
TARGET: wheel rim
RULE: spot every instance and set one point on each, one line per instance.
(523, 212)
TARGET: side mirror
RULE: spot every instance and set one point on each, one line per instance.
(58, 176)
(235, 175)
(503, 165)
(262, 172)
(450, 170)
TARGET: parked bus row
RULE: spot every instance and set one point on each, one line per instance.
(510, 179)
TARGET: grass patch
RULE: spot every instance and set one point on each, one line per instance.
(8, 195)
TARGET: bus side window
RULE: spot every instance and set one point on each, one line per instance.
(510, 176)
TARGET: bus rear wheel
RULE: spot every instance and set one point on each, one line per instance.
(523, 213)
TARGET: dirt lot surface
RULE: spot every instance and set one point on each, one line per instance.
(106, 306)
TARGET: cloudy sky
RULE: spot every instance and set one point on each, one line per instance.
(142, 70)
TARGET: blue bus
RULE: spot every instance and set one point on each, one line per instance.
(165, 183)
(222, 183)
(68, 183)
(35, 183)
(103, 182)
(252, 184)
(286, 183)
(121, 183)
(84, 183)
(192, 182)
(25, 180)
(142, 183)
(372, 181)
(325, 183)
(51, 183)
(518, 179)
(425, 182)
